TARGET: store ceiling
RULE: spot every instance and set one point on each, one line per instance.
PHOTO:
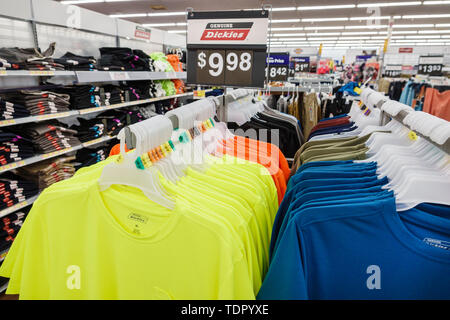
(294, 23)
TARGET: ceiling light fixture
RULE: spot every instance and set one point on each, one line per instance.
(427, 3)
(324, 19)
(390, 4)
(426, 16)
(128, 15)
(339, 6)
(166, 14)
(285, 20)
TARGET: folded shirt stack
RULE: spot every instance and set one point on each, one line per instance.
(113, 95)
(48, 172)
(40, 102)
(115, 120)
(14, 148)
(124, 59)
(81, 97)
(74, 62)
(29, 59)
(9, 226)
(15, 189)
(89, 156)
(11, 110)
(49, 137)
(89, 129)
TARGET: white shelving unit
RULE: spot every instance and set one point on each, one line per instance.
(10, 122)
(42, 157)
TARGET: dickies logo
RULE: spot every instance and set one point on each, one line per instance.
(237, 31)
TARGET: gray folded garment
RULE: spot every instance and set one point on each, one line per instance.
(24, 55)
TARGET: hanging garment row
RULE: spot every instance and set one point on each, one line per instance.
(421, 95)
(180, 217)
(252, 116)
(377, 228)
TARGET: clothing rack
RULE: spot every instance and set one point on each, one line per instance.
(402, 115)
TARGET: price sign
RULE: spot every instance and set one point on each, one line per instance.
(431, 65)
(227, 48)
(393, 71)
(225, 66)
(278, 66)
(301, 64)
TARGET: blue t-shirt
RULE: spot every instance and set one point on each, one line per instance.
(326, 199)
(363, 250)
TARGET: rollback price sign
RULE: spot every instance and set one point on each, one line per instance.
(227, 48)
(278, 66)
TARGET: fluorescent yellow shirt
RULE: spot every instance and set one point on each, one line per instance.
(84, 244)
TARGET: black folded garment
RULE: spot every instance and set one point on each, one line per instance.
(14, 148)
(89, 129)
(89, 156)
(15, 189)
(49, 136)
(124, 58)
(81, 97)
(11, 110)
(75, 62)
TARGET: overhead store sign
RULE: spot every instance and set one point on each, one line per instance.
(227, 48)
(431, 65)
(142, 33)
(405, 50)
(278, 66)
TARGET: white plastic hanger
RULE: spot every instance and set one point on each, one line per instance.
(125, 172)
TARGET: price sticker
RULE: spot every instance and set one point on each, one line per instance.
(119, 76)
(3, 73)
(412, 135)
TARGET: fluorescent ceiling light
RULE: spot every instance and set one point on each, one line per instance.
(291, 39)
(377, 37)
(167, 14)
(171, 24)
(434, 31)
(422, 37)
(340, 6)
(323, 34)
(285, 20)
(426, 16)
(413, 26)
(390, 4)
(325, 28)
(322, 39)
(445, 36)
(286, 29)
(128, 15)
(91, 1)
(404, 32)
(287, 34)
(443, 25)
(324, 19)
(370, 18)
(427, 3)
(367, 27)
(352, 38)
(284, 9)
(177, 31)
(358, 32)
